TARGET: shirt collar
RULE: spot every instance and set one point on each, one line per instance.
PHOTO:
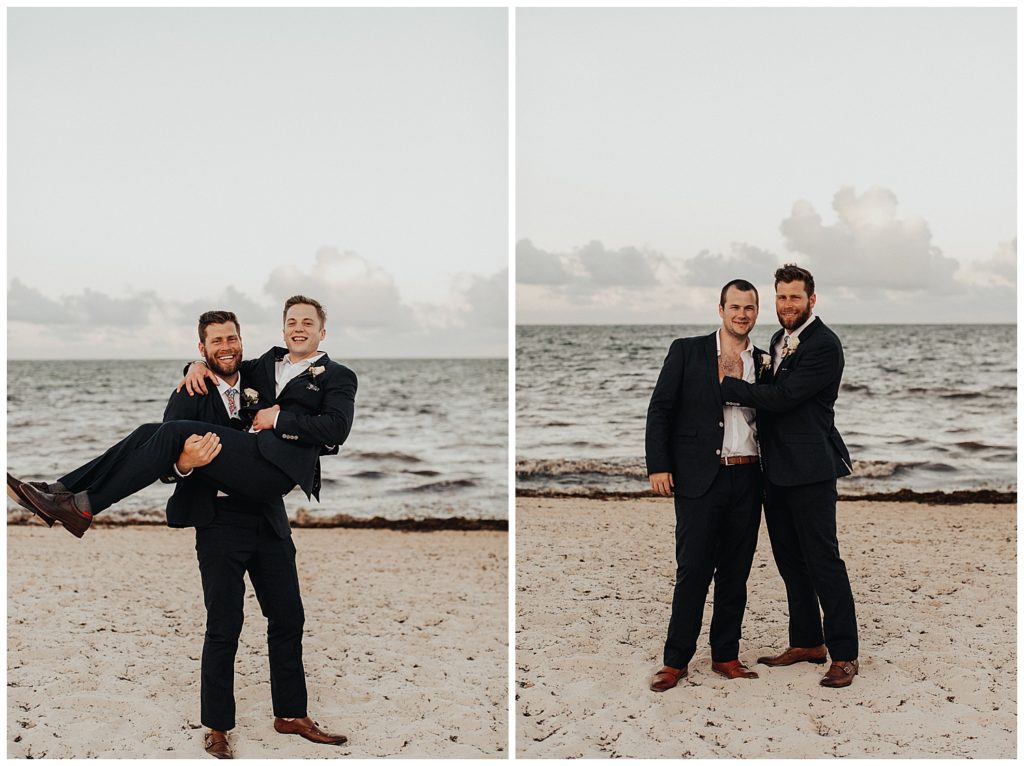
(224, 387)
(718, 343)
(308, 362)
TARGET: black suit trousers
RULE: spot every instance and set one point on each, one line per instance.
(236, 543)
(149, 453)
(801, 523)
(716, 535)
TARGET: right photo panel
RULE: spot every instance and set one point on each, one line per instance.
(766, 395)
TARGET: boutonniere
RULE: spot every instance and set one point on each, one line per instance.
(251, 396)
(766, 363)
(794, 344)
(314, 371)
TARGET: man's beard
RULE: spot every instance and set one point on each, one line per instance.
(798, 320)
(219, 368)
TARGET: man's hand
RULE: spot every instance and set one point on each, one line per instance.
(264, 420)
(662, 483)
(194, 380)
(198, 451)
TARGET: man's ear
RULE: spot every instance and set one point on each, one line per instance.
(813, 299)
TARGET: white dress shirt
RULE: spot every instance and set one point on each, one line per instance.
(740, 423)
(286, 370)
(222, 388)
(780, 344)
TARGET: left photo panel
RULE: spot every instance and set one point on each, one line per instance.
(257, 383)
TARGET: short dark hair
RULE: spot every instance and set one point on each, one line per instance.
(216, 317)
(742, 285)
(296, 300)
(793, 273)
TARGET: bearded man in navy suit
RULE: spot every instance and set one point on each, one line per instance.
(300, 404)
(803, 455)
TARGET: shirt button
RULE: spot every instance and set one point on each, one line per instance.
(718, 452)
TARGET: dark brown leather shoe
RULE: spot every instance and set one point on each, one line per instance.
(216, 744)
(795, 654)
(733, 669)
(71, 510)
(667, 678)
(841, 674)
(307, 728)
(14, 492)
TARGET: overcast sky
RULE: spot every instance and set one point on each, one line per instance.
(162, 162)
(662, 152)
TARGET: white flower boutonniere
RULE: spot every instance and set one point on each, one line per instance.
(314, 371)
(794, 343)
(766, 362)
(251, 396)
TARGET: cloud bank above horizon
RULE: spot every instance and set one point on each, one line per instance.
(871, 264)
(367, 316)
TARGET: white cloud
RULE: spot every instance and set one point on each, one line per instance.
(367, 316)
(869, 263)
(868, 245)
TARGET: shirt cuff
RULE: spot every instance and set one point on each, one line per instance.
(182, 475)
(276, 416)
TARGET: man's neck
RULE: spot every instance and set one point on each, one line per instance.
(231, 380)
(730, 342)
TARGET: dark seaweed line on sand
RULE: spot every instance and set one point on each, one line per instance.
(957, 497)
(305, 521)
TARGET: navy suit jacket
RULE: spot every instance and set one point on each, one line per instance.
(796, 411)
(685, 428)
(194, 502)
(315, 419)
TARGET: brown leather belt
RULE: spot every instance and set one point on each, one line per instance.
(739, 460)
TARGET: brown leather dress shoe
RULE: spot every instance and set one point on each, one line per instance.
(307, 728)
(14, 492)
(667, 678)
(795, 654)
(841, 674)
(733, 669)
(70, 509)
(216, 744)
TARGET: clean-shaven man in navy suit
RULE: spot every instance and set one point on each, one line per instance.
(707, 455)
(803, 455)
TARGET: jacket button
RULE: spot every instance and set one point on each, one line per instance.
(718, 452)
(721, 424)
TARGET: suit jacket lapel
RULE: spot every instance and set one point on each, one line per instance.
(711, 354)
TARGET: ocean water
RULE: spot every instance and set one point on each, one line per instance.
(922, 407)
(429, 440)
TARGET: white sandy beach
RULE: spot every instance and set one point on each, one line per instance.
(405, 647)
(936, 604)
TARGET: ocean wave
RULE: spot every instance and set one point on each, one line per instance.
(441, 486)
(632, 468)
(978, 446)
(401, 457)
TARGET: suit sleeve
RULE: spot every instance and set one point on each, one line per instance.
(180, 406)
(659, 412)
(331, 427)
(818, 369)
